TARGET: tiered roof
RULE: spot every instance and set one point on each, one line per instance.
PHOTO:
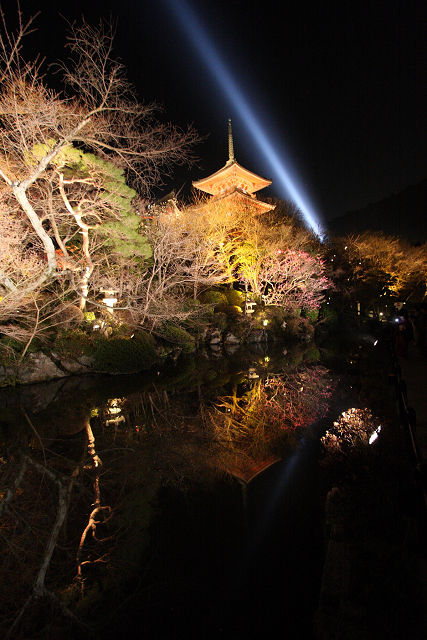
(235, 182)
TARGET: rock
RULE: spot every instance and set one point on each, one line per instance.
(87, 361)
(73, 366)
(37, 367)
(215, 337)
(216, 350)
(205, 335)
(229, 338)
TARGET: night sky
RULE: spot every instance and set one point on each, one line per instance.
(338, 88)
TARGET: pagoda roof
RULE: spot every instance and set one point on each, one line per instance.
(236, 195)
(246, 470)
(232, 175)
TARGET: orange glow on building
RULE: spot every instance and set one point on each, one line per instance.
(235, 183)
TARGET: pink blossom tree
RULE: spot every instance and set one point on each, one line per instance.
(290, 279)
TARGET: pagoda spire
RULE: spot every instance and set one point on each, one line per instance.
(234, 183)
(230, 144)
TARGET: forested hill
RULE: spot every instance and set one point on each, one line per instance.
(403, 214)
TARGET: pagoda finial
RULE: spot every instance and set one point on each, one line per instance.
(230, 144)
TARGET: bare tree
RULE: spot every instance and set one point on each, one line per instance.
(185, 260)
(97, 112)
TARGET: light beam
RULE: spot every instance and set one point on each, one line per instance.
(203, 44)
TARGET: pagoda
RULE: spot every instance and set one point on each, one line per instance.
(234, 184)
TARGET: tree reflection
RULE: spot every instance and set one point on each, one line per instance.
(146, 439)
(253, 430)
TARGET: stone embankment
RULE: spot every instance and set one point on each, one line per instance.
(38, 367)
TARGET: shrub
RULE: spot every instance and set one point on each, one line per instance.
(145, 338)
(129, 317)
(312, 355)
(312, 315)
(69, 314)
(121, 330)
(214, 297)
(191, 304)
(330, 316)
(235, 298)
(125, 355)
(297, 327)
(178, 336)
(219, 320)
(11, 349)
(200, 315)
(72, 343)
(233, 310)
(89, 317)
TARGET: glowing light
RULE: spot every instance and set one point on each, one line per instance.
(109, 299)
(110, 302)
(375, 435)
(249, 306)
(203, 44)
(114, 408)
(265, 323)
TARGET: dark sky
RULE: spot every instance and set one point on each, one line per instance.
(340, 88)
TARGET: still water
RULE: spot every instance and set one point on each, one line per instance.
(210, 519)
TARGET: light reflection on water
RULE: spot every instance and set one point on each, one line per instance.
(157, 429)
(61, 406)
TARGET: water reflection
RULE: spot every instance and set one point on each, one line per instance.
(180, 426)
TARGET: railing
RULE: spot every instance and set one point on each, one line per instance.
(408, 420)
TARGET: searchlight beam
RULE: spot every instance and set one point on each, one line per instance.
(203, 44)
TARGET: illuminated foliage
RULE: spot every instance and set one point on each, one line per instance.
(347, 443)
(370, 266)
(252, 423)
(65, 162)
(92, 212)
(272, 260)
(290, 279)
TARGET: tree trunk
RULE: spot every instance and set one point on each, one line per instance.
(48, 245)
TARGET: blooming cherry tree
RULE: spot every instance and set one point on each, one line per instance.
(291, 279)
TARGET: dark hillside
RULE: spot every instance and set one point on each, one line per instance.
(403, 214)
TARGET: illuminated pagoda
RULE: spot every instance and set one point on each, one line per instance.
(234, 184)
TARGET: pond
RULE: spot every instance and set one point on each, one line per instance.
(190, 499)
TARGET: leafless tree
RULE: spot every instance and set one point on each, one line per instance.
(97, 112)
(185, 260)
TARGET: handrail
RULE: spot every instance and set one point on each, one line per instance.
(408, 420)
